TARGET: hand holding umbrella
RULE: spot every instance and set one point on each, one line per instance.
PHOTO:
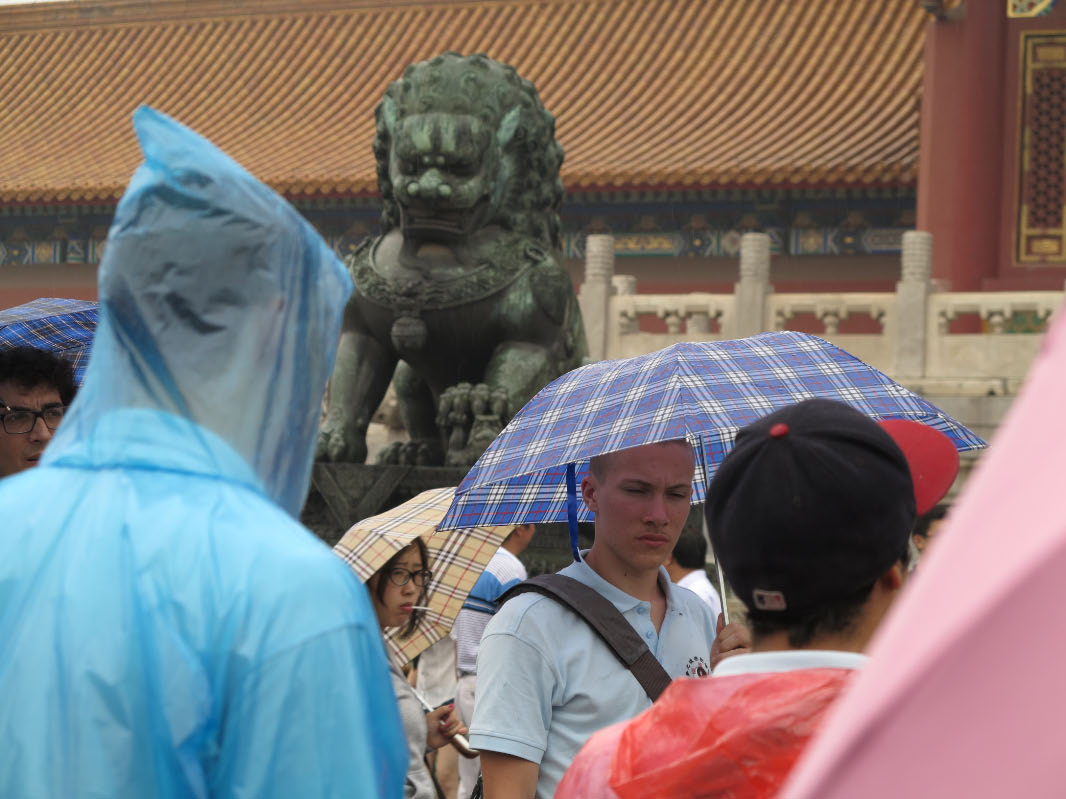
(449, 728)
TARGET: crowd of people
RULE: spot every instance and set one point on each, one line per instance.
(173, 631)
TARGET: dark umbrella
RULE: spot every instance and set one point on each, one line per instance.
(65, 327)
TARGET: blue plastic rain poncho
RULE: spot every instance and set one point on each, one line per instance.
(169, 629)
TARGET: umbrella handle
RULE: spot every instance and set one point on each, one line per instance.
(462, 746)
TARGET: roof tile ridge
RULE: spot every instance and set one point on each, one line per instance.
(722, 19)
(349, 114)
(803, 51)
(749, 96)
(202, 43)
(530, 58)
(620, 147)
(329, 117)
(51, 111)
(82, 14)
(861, 119)
(276, 104)
(869, 77)
(685, 123)
(29, 65)
(826, 170)
(252, 139)
(298, 135)
(802, 85)
(551, 71)
(606, 61)
(298, 184)
(571, 81)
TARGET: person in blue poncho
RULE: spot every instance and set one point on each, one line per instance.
(169, 628)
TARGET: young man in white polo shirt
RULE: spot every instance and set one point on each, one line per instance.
(546, 681)
(810, 516)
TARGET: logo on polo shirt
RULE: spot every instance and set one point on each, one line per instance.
(697, 667)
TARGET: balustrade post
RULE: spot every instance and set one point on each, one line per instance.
(912, 304)
(624, 285)
(753, 288)
(595, 295)
(698, 322)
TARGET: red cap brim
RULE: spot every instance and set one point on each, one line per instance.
(933, 460)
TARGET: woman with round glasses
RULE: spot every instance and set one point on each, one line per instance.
(397, 589)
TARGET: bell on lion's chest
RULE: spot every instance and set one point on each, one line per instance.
(408, 334)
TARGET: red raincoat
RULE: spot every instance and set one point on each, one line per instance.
(731, 737)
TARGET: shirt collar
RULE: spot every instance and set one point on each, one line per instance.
(583, 573)
(789, 660)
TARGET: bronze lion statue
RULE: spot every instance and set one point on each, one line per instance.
(462, 300)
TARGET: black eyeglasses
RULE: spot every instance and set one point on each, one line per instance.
(401, 576)
(19, 421)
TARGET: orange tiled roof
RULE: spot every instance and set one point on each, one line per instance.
(676, 94)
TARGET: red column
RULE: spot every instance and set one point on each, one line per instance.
(959, 169)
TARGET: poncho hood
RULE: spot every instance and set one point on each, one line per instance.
(220, 306)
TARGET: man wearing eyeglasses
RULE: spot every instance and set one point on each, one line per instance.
(35, 388)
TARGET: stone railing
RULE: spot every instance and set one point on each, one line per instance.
(688, 317)
(940, 342)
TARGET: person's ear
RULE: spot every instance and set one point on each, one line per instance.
(892, 580)
(588, 492)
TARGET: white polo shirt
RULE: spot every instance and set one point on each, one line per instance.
(546, 681)
(697, 582)
(788, 660)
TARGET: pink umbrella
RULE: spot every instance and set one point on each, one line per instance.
(965, 695)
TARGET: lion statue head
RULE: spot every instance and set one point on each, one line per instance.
(464, 142)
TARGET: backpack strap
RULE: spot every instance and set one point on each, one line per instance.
(608, 623)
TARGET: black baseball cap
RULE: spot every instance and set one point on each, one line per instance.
(813, 504)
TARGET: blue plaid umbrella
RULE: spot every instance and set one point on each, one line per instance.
(65, 327)
(702, 391)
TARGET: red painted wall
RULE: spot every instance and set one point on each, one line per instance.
(19, 284)
(961, 140)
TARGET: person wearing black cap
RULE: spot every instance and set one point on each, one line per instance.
(810, 516)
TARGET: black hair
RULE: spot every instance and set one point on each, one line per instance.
(382, 576)
(921, 527)
(832, 618)
(690, 551)
(30, 368)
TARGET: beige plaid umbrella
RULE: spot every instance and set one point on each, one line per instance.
(456, 558)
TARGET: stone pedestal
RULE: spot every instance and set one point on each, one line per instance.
(343, 493)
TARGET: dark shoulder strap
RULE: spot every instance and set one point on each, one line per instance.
(606, 620)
